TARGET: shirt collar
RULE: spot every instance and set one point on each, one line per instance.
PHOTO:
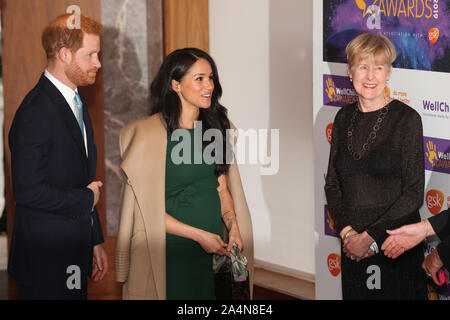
(67, 92)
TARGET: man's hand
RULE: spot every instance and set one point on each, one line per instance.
(404, 238)
(99, 263)
(95, 187)
(432, 264)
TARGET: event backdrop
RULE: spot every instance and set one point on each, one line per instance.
(420, 31)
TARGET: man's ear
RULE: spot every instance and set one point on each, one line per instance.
(175, 85)
(65, 55)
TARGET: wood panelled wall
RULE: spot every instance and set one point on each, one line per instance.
(186, 24)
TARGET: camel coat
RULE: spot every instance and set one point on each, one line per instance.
(141, 243)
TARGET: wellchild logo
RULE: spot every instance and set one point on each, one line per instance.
(436, 109)
(434, 200)
(330, 90)
(338, 91)
(437, 154)
(334, 264)
(330, 228)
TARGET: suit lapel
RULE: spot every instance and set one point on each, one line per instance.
(66, 114)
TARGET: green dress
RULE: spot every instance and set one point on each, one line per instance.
(192, 198)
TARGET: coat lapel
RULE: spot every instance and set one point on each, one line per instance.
(66, 114)
(144, 163)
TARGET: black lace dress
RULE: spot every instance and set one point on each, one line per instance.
(381, 191)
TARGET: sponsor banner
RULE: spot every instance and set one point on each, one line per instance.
(338, 91)
(436, 109)
(329, 223)
(334, 264)
(437, 154)
(417, 28)
(328, 132)
(434, 200)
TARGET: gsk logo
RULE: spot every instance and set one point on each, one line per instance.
(334, 264)
(329, 131)
(433, 35)
(434, 200)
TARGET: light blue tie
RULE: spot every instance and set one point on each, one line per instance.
(80, 112)
(81, 125)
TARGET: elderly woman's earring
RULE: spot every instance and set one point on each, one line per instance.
(351, 79)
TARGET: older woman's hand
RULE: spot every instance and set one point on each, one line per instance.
(357, 246)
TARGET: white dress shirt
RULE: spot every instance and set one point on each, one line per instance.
(69, 95)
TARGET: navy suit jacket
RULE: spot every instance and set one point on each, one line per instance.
(441, 225)
(54, 226)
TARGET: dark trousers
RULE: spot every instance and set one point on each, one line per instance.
(27, 292)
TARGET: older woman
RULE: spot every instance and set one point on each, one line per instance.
(375, 177)
(172, 210)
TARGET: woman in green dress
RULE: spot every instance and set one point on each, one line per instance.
(186, 92)
(177, 191)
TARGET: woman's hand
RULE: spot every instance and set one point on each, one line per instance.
(211, 242)
(357, 246)
(432, 264)
(235, 237)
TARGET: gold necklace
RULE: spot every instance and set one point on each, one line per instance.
(372, 135)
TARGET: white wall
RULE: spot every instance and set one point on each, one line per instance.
(263, 50)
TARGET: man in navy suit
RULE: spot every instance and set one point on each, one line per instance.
(57, 237)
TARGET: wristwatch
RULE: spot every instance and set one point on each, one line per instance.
(374, 247)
